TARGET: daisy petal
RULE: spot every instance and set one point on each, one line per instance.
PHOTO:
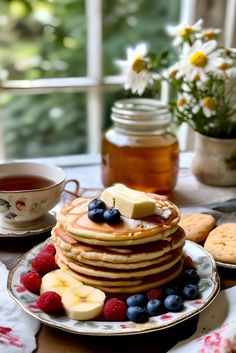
(198, 25)
(209, 46)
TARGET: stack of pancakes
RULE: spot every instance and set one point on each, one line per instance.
(130, 257)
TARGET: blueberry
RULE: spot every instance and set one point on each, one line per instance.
(191, 276)
(154, 307)
(191, 291)
(173, 302)
(112, 216)
(172, 288)
(95, 204)
(136, 300)
(137, 314)
(96, 215)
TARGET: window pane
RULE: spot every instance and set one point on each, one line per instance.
(127, 22)
(43, 38)
(44, 125)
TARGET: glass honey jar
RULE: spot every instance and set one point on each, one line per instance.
(140, 150)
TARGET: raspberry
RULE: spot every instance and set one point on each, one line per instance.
(115, 310)
(156, 293)
(50, 248)
(32, 281)
(43, 263)
(188, 263)
(50, 303)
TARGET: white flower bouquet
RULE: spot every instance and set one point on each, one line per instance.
(203, 78)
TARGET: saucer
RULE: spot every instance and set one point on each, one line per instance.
(42, 225)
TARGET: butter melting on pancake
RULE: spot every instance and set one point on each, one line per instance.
(74, 219)
(134, 255)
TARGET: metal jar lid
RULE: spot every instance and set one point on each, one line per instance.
(140, 115)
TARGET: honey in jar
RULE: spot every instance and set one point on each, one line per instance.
(139, 150)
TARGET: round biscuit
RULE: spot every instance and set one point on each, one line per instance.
(221, 243)
(197, 226)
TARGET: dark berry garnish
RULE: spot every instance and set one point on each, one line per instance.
(115, 310)
(191, 276)
(96, 204)
(43, 263)
(156, 293)
(191, 291)
(172, 288)
(137, 314)
(188, 263)
(32, 281)
(136, 300)
(112, 216)
(173, 302)
(50, 303)
(96, 215)
(154, 307)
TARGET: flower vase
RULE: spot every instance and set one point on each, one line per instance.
(214, 160)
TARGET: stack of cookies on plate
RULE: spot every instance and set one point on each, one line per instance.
(218, 240)
(142, 251)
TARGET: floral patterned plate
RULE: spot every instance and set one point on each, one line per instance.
(209, 288)
(44, 224)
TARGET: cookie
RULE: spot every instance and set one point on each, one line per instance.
(221, 243)
(197, 226)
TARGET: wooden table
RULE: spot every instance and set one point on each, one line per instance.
(87, 170)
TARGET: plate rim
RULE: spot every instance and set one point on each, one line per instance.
(216, 289)
(226, 265)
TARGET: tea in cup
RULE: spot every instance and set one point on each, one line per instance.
(28, 190)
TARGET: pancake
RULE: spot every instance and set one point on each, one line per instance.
(127, 286)
(125, 241)
(129, 257)
(118, 255)
(75, 220)
(103, 269)
(118, 266)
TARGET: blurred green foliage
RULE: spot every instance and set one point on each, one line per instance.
(47, 38)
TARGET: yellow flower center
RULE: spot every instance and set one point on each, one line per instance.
(209, 35)
(209, 103)
(224, 66)
(185, 31)
(182, 102)
(228, 52)
(139, 64)
(198, 59)
(173, 74)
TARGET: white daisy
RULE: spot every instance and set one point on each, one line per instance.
(182, 103)
(226, 69)
(208, 106)
(135, 69)
(183, 30)
(198, 60)
(186, 102)
(171, 72)
(208, 33)
(185, 87)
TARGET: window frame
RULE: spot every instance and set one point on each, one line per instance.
(94, 84)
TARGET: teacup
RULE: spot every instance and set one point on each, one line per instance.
(28, 190)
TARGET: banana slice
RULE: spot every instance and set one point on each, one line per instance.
(83, 302)
(58, 281)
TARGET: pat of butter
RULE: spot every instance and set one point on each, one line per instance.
(130, 203)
